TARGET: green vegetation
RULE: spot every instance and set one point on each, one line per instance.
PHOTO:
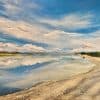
(19, 53)
(94, 54)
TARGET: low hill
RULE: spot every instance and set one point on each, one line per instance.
(94, 54)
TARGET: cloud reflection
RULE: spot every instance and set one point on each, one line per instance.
(24, 71)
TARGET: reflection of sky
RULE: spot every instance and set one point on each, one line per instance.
(24, 71)
(20, 70)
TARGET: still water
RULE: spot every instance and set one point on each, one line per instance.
(23, 71)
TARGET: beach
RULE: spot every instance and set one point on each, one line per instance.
(85, 86)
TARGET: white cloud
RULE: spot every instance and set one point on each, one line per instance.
(89, 44)
(75, 41)
(71, 21)
(11, 7)
(61, 39)
(15, 7)
(96, 33)
(22, 29)
(24, 48)
(58, 39)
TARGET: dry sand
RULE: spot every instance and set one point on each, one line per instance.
(84, 86)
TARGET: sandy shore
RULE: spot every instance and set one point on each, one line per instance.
(84, 86)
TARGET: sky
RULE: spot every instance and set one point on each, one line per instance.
(49, 25)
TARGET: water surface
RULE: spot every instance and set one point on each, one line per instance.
(22, 71)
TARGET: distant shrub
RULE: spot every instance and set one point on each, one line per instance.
(95, 54)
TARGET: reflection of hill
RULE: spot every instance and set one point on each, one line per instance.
(3, 53)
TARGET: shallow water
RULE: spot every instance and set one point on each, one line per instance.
(20, 72)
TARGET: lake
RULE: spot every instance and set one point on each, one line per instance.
(23, 71)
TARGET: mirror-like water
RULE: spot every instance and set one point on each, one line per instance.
(19, 72)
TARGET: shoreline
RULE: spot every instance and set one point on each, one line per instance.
(55, 90)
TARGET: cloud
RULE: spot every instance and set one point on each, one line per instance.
(12, 9)
(22, 29)
(10, 47)
(58, 39)
(17, 7)
(74, 41)
(71, 21)
(40, 34)
(61, 39)
(96, 33)
(89, 43)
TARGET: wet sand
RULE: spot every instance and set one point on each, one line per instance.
(84, 86)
